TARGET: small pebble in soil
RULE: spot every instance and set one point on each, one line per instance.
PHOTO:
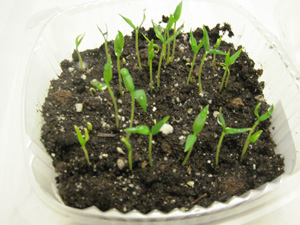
(167, 129)
(120, 150)
(78, 107)
(121, 164)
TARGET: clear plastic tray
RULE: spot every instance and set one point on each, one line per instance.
(56, 42)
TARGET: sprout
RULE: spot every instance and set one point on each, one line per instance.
(176, 16)
(197, 128)
(226, 130)
(208, 50)
(252, 138)
(107, 78)
(144, 130)
(104, 35)
(128, 145)
(217, 45)
(83, 142)
(229, 60)
(118, 46)
(77, 43)
(195, 49)
(139, 95)
(136, 29)
(164, 41)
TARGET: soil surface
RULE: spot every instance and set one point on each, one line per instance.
(108, 183)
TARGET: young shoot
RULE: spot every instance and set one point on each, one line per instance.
(83, 141)
(208, 50)
(164, 41)
(128, 145)
(139, 95)
(107, 78)
(176, 16)
(118, 47)
(229, 60)
(217, 45)
(136, 29)
(144, 130)
(197, 128)
(77, 43)
(195, 49)
(226, 130)
(104, 35)
(252, 138)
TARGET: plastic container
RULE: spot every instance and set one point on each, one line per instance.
(56, 42)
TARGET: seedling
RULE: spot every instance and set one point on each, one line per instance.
(226, 130)
(195, 49)
(229, 60)
(104, 35)
(164, 41)
(167, 35)
(107, 78)
(217, 45)
(197, 128)
(176, 16)
(118, 46)
(83, 141)
(139, 95)
(128, 145)
(136, 29)
(144, 130)
(77, 43)
(252, 138)
(208, 50)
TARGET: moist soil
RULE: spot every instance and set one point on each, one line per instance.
(108, 183)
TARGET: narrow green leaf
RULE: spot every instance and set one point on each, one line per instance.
(144, 17)
(200, 120)
(79, 39)
(129, 22)
(221, 120)
(127, 79)
(79, 136)
(100, 86)
(193, 42)
(256, 110)
(86, 135)
(107, 71)
(119, 44)
(104, 34)
(236, 130)
(215, 51)
(254, 137)
(266, 115)
(217, 45)
(206, 39)
(142, 129)
(151, 53)
(227, 59)
(177, 12)
(235, 56)
(190, 141)
(158, 33)
(155, 129)
(175, 35)
(170, 23)
(140, 96)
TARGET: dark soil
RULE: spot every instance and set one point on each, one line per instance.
(107, 184)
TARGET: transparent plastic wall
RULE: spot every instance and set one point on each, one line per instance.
(56, 43)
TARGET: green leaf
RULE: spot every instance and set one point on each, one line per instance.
(79, 39)
(235, 56)
(217, 45)
(254, 137)
(227, 59)
(79, 136)
(144, 17)
(107, 71)
(236, 130)
(177, 12)
(193, 42)
(151, 53)
(100, 86)
(129, 22)
(256, 110)
(170, 23)
(200, 120)
(158, 33)
(221, 120)
(119, 44)
(127, 79)
(140, 96)
(175, 35)
(142, 129)
(86, 135)
(206, 39)
(266, 115)
(126, 142)
(215, 51)
(104, 34)
(155, 129)
(190, 141)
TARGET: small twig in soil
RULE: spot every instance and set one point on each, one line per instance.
(105, 135)
(198, 199)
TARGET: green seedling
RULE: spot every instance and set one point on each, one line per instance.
(136, 29)
(176, 16)
(144, 130)
(229, 60)
(104, 35)
(139, 95)
(83, 141)
(195, 49)
(226, 130)
(128, 145)
(208, 50)
(217, 45)
(252, 138)
(77, 43)
(197, 128)
(118, 47)
(167, 35)
(164, 41)
(107, 78)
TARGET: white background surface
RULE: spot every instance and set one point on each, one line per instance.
(19, 204)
